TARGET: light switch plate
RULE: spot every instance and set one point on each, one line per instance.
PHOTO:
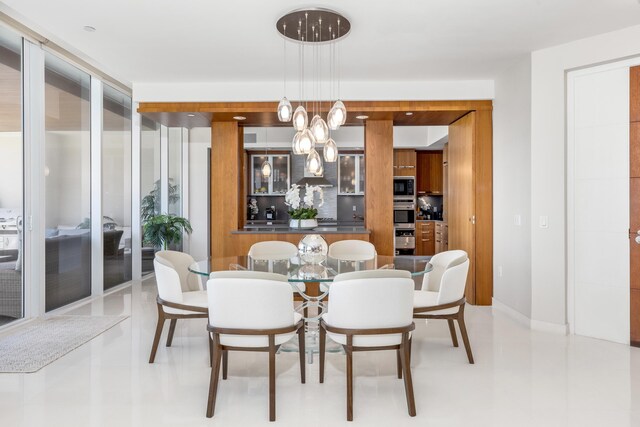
(544, 221)
(517, 220)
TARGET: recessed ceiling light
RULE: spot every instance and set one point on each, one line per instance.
(408, 113)
(191, 115)
(239, 117)
(362, 117)
(89, 28)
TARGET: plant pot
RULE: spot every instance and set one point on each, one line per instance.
(303, 223)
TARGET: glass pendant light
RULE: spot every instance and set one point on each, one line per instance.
(300, 119)
(337, 115)
(295, 146)
(284, 110)
(330, 152)
(307, 142)
(284, 107)
(314, 162)
(319, 129)
(266, 168)
(320, 171)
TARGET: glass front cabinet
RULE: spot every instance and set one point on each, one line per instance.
(351, 174)
(278, 182)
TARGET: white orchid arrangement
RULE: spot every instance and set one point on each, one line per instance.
(303, 208)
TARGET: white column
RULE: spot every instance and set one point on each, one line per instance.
(164, 169)
(97, 251)
(136, 226)
(184, 191)
(33, 262)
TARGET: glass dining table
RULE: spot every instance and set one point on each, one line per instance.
(315, 275)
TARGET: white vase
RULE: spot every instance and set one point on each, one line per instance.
(303, 223)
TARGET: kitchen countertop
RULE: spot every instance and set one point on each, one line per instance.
(428, 220)
(285, 229)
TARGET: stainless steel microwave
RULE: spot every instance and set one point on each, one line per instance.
(404, 215)
(404, 187)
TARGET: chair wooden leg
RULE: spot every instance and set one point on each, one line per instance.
(156, 338)
(225, 363)
(399, 364)
(406, 368)
(172, 329)
(465, 336)
(210, 351)
(321, 356)
(215, 372)
(272, 378)
(452, 331)
(302, 353)
(349, 352)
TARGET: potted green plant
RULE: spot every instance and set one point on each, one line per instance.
(164, 229)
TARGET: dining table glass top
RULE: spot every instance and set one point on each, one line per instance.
(299, 270)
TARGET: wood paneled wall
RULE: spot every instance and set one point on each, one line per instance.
(483, 172)
(226, 180)
(461, 200)
(634, 205)
(378, 196)
(470, 199)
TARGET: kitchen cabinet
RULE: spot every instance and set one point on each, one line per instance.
(425, 238)
(442, 237)
(277, 183)
(445, 181)
(351, 174)
(429, 175)
(404, 162)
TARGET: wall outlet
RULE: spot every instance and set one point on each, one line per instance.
(544, 221)
(354, 208)
(499, 271)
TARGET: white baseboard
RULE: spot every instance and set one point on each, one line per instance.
(554, 328)
(514, 314)
(536, 325)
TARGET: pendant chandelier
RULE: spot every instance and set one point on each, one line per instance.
(316, 30)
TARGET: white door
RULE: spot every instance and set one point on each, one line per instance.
(598, 201)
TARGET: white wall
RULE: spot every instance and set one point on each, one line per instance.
(548, 162)
(512, 187)
(199, 141)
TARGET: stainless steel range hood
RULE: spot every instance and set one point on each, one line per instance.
(315, 180)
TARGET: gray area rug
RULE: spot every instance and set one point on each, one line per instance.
(42, 341)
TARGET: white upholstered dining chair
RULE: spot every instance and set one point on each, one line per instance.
(273, 250)
(371, 314)
(442, 294)
(173, 302)
(260, 323)
(181, 262)
(352, 250)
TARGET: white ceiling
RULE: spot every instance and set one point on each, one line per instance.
(207, 40)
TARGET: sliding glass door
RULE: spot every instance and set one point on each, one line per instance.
(11, 178)
(67, 184)
(116, 186)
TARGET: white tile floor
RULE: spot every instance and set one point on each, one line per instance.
(521, 378)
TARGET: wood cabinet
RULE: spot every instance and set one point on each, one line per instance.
(404, 162)
(429, 175)
(442, 237)
(425, 238)
(351, 174)
(445, 181)
(277, 183)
